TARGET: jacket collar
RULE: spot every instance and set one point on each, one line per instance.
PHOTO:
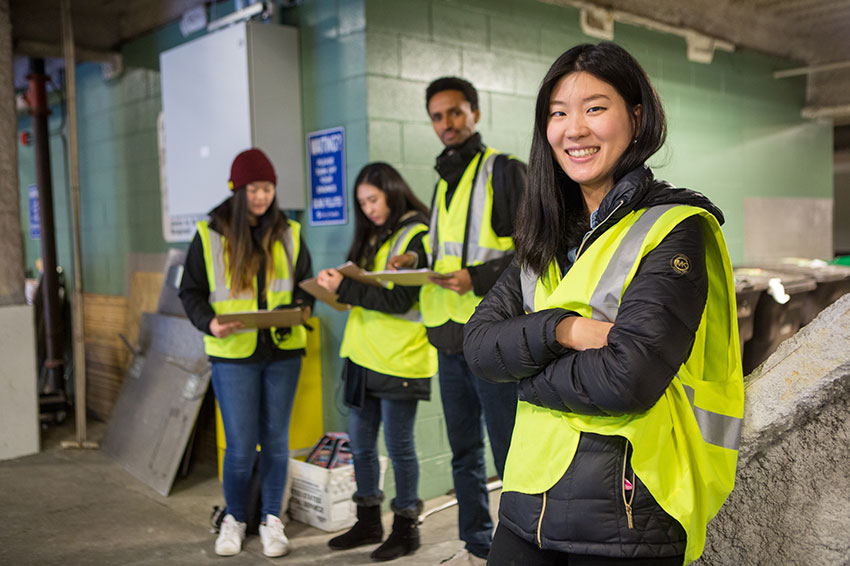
(626, 193)
(453, 161)
(640, 189)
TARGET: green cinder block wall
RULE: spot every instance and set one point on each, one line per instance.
(120, 210)
(735, 132)
(333, 93)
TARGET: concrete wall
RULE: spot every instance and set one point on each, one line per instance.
(734, 131)
(19, 425)
(12, 273)
(791, 496)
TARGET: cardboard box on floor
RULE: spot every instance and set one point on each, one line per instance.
(321, 497)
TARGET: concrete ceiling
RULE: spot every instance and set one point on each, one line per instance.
(99, 25)
(811, 32)
(815, 33)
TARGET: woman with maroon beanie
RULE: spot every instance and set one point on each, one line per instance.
(250, 256)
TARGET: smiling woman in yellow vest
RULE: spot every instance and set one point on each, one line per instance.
(389, 361)
(618, 322)
(249, 256)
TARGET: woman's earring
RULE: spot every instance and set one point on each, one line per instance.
(634, 139)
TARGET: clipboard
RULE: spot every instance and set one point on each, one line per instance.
(352, 271)
(281, 318)
(406, 277)
(403, 277)
(312, 286)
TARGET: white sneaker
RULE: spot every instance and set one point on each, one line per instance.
(230, 536)
(464, 558)
(274, 540)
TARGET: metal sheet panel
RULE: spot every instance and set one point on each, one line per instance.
(159, 401)
(169, 301)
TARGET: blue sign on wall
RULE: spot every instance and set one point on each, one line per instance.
(326, 149)
(35, 223)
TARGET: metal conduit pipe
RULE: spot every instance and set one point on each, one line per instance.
(53, 324)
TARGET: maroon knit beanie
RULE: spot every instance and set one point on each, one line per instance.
(250, 166)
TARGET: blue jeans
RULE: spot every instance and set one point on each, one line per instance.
(469, 403)
(256, 404)
(398, 416)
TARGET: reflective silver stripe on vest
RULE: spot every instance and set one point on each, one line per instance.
(720, 430)
(402, 236)
(476, 253)
(528, 284)
(605, 300)
(285, 285)
(222, 293)
(452, 248)
(413, 315)
(477, 200)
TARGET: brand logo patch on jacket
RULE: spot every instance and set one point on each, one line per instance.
(680, 263)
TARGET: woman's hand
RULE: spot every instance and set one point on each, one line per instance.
(579, 333)
(329, 279)
(406, 260)
(458, 281)
(220, 330)
(306, 311)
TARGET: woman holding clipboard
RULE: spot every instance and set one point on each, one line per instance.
(250, 257)
(389, 360)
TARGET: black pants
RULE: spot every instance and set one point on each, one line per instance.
(510, 550)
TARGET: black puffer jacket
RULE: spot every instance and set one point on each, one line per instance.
(651, 337)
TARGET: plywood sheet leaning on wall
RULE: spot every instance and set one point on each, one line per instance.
(105, 319)
(144, 295)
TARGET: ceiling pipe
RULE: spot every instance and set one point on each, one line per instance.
(264, 8)
(811, 69)
(839, 111)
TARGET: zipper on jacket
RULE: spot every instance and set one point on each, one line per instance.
(589, 234)
(540, 522)
(628, 502)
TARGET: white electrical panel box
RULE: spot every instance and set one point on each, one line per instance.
(236, 88)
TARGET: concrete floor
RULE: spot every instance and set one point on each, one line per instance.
(78, 507)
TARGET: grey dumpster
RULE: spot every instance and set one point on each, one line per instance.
(833, 282)
(779, 311)
(747, 293)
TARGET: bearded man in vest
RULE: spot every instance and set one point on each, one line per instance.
(472, 221)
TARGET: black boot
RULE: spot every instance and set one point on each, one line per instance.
(367, 530)
(404, 539)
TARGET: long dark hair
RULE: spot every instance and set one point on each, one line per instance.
(552, 216)
(400, 200)
(243, 256)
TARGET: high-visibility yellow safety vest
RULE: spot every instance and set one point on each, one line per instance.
(467, 220)
(685, 447)
(392, 344)
(242, 343)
